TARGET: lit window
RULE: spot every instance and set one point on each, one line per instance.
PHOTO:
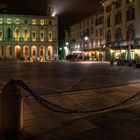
(50, 36)
(8, 21)
(17, 34)
(0, 35)
(17, 21)
(0, 20)
(34, 36)
(33, 21)
(42, 35)
(25, 34)
(42, 22)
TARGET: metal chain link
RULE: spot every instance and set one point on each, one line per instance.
(60, 109)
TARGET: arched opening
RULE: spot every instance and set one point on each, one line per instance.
(34, 53)
(1, 51)
(41, 51)
(17, 52)
(26, 50)
(50, 52)
(8, 51)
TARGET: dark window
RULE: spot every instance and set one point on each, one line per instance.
(118, 35)
(9, 34)
(118, 4)
(108, 22)
(130, 33)
(108, 37)
(118, 17)
(130, 14)
(129, 1)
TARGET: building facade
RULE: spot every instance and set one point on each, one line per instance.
(111, 33)
(122, 32)
(28, 37)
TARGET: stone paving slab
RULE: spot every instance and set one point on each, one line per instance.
(116, 124)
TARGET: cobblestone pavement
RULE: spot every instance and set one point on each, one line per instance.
(115, 124)
(57, 77)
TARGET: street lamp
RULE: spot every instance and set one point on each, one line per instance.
(67, 43)
(86, 38)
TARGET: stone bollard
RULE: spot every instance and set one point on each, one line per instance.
(11, 109)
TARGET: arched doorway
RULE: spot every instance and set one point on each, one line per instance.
(26, 53)
(1, 51)
(17, 52)
(34, 53)
(50, 52)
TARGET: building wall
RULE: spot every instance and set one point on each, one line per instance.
(28, 37)
(112, 31)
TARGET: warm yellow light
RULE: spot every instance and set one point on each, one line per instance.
(111, 51)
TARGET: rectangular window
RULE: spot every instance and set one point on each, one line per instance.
(42, 22)
(0, 20)
(8, 21)
(108, 22)
(17, 32)
(0, 35)
(17, 21)
(34, 21)
(50, 36)
(42, 36)
(34, 36)
(25, 34)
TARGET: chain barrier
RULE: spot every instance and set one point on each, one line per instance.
(60, 109)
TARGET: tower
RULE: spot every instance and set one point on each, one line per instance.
(50, 8)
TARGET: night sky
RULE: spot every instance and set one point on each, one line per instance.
(68, 11)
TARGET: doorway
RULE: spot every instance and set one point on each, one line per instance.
(17, 52)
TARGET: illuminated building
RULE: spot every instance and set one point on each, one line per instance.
(122, 32)
(28, 37)
(112, 32)
(86, 37)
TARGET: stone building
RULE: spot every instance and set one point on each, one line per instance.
(28, 37)
(112, 32)
(122, 32)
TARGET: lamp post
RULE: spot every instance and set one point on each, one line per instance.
(129, 54)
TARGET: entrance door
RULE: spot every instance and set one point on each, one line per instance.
(17, 52)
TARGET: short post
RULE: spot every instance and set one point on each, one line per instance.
(11, 109)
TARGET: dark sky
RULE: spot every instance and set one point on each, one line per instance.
(69, 11)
